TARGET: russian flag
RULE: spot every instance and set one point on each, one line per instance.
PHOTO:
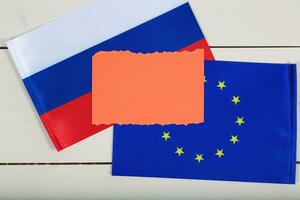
(55, 60)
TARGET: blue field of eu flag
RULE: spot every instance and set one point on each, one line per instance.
(248, 134)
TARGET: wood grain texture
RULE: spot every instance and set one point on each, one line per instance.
(83, 171)
(229, 23)
(249, 23)
(19, 16)
(95, 182)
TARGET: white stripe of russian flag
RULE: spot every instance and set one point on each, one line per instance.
(81, 29)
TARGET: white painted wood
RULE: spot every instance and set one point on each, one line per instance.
(226, 22)
(19, 16)
(255, 22)
(272, 55)
(95, 182)
(23, 139)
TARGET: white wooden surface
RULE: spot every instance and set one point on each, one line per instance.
(226, 22)
(23, 140)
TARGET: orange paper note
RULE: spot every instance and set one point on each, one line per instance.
(155, 88)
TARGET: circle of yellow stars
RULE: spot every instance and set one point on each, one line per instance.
(233, 139)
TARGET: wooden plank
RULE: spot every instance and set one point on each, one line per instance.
(95, 182)
(23, 138)
(272, 55)
(227, 22)
(19, 16)
(249, 23)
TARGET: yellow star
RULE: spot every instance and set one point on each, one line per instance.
(234, 139)
(221, 85)
(236, 100)
(199, 157)
(179, 151)
(240, 121)
(166, 136)
(205, 80)
(219, 153)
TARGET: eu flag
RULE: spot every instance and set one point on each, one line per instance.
(248, 134)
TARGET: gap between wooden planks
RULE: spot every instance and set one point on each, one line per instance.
(66, 163)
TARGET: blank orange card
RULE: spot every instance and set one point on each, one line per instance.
(155, 88)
